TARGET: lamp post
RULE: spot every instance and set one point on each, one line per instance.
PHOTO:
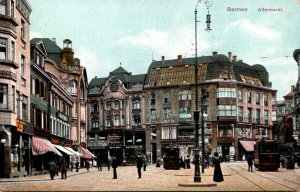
(197, 177)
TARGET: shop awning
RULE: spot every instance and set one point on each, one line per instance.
(61, 148)
(86, 153)
(41, 146)
(74, 152)
(248, 145)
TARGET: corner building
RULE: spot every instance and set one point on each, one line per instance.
(236, 97)
(15, 130)
(115, 116)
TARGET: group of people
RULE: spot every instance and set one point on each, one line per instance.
(54, 168)
(185, 163)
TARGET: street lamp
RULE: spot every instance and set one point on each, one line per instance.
(197, 177)
(3, 141)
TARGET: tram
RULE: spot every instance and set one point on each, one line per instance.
(171, 158)
(266, 155)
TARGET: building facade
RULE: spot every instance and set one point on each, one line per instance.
(14, 87)
(115, 116)
(236, 97)
(296, 109)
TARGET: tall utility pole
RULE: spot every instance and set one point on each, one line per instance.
(197, 176)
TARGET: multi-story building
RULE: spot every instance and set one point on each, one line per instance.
(296, 109)
(115, 116)
(51, 107)
(236, 97)
(66, 71)
(14, 87)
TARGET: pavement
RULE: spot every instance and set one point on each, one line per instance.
(236, 178)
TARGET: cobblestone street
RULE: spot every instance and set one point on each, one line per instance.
(236, 177)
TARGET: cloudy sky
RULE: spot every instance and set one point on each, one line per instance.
(106, 33)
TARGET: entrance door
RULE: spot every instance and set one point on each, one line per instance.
(154, 156)
(225, 151)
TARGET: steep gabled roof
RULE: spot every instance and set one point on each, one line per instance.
(52, 48)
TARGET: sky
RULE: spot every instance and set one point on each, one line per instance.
(108, 33)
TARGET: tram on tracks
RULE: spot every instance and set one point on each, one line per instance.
(266, 155)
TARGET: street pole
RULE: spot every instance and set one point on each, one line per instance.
(202, 128)
(197, 176)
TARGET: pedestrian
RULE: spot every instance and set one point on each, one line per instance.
(63, 168)
(158, 163)
(188, 162)
(182, 163)
(114, 166)
(218, 176)
(108, 163)
(250, 162)
(99, 164)
(139, 165)
(71, 165)
(52, 169)
(87, 165)
(144, 162)
(77, 166)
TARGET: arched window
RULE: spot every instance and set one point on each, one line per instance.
(72, 87)
(81, 90)
(107, 105)
(117, 120)
(108, 121)
(117, 105)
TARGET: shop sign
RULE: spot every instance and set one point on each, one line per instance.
(20, 125)
(115, 139)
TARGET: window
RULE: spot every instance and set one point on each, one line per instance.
(22, 29)
(266, 116)
(185, 95)
(226, 110)
(136, 120)
(152, 114)
(257, 99)
(22, 65)
(94, 107)
(117, 105)
(152, 99)
(257, 115)
(108, 105)
(226, 92)
(166, 97)
(240, 113)
(185, 113)
(167, 114)
(18, 105)
(136, 104)
(117, 120)
(240, 96)
(3, 7)
(72, 87)
(95, 124)
(249, 114)
(3, 96)
(81, 91)
(266, 100)
(13, 47)
(3, 47)
(13, 99)
(24, 108)
(108, 121)
(249, 97)
(12, 8)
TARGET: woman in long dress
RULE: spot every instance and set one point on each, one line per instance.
(218, 176)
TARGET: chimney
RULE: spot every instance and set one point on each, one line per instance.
(229, 55)
(162, 59)
(214, 53)
(234, 58)
(53, 39)
(179, 57)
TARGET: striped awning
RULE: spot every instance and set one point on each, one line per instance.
(41, 146)
(61, 148)
(86, 153)
(248, 145)
(74, 152)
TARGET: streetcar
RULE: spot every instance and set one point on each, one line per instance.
(171, 158)
(266, 155)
